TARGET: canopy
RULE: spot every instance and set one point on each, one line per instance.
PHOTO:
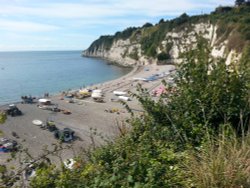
(44, 100)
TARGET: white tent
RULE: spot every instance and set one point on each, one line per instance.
(44, 100)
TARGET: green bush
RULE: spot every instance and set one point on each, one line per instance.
(223, 161)
(208, 96)
(163, 56)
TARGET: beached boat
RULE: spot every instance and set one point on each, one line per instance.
(119, 93)
(97, 94)
(44, 101)
(124, 98)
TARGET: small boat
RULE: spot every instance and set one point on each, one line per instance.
(118, 93)
(124, 98)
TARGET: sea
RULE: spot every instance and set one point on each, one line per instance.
(38, 72)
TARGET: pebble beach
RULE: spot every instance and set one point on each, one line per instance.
(92, 122)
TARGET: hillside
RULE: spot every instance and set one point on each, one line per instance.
(194, 135)
(227, 30)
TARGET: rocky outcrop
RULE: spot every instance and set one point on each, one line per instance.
(129, 52)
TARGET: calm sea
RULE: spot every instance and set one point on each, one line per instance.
(34, 73)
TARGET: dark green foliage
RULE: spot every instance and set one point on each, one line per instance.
(211, 100)
(134, 54)
(236, 20)
(232, 22)
(163, 56)
(147, 25)
(161, 21)
(220, 9)
(153, 152)
(208, 96)
(180, 20)
(104, 42)
(125, 34)
(239, 2)
(150, 42)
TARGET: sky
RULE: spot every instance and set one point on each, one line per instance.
(34, 25)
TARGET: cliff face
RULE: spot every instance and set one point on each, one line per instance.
(167, 41)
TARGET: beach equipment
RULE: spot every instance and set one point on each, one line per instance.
(84, 91)
(97, 93)
(37, 122)
(124, 98)
(3, 149)
(67, 112)
(27, 99)
(13, 110)
(140, 79)
(45, 101)
(51, 126)
(69, 163)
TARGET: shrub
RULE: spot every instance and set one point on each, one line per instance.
(163, 56)
(223, 161)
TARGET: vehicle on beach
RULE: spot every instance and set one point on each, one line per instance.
(7, 145)
(13, 110)
(97, 95)
(27, 99)
(46, 104)
(65, 135)
(52, 108)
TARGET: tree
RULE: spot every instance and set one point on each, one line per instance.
(161, 21)
(147, 25)
(239, 2)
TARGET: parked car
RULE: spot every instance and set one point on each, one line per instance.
(13, 110)
(65, 135)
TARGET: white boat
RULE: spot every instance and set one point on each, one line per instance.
(119, 93)
(45, 101)
(97, 93)
(124, 98)
(142, 79)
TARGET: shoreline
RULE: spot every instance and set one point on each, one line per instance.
(86, 116)
(57, 93)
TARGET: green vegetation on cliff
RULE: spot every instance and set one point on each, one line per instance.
(233, 24)
(196, 135)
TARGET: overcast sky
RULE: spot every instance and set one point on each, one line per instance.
(74, 24)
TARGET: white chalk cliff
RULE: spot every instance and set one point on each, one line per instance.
(179, 41)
